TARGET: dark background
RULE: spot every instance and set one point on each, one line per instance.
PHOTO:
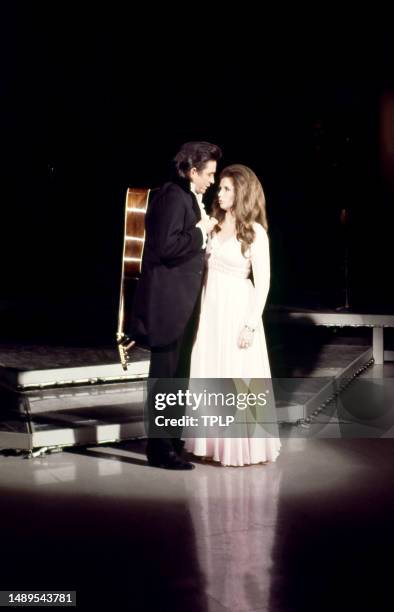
(96, 100)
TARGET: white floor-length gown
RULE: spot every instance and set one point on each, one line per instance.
(229, 301)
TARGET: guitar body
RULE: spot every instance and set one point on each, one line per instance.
(136, 205)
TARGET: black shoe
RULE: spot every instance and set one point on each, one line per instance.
(171, 461)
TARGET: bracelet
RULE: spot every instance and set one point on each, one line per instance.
(251, 329)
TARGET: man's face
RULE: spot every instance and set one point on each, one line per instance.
(203, 179)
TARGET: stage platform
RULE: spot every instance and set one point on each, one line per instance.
(56, 418)
(69, 396)
(339, 318)
(31, 366)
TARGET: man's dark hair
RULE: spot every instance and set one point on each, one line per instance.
(195, 155)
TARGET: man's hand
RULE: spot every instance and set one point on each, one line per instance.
(208, 223)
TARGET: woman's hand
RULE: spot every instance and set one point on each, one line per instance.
(245, 338)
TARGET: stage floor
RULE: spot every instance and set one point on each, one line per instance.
(310, 532)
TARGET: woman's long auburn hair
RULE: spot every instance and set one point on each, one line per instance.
(249, 204)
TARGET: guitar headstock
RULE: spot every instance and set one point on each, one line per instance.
(125, 344)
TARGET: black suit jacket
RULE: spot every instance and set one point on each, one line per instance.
(172, 267)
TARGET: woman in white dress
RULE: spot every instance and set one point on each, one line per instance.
(230, 340)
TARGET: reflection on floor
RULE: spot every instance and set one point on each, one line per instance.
(307, 533)
(311, 532)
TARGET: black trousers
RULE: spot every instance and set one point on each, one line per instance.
(168, 372)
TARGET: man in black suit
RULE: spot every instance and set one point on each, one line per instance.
(172, 269)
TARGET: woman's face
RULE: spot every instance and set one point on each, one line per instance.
(226, 193)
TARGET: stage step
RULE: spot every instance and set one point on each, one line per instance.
(36, 420)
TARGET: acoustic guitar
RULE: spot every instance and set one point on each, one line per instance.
(136, 205)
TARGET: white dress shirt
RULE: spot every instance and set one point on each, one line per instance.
(204, 215)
